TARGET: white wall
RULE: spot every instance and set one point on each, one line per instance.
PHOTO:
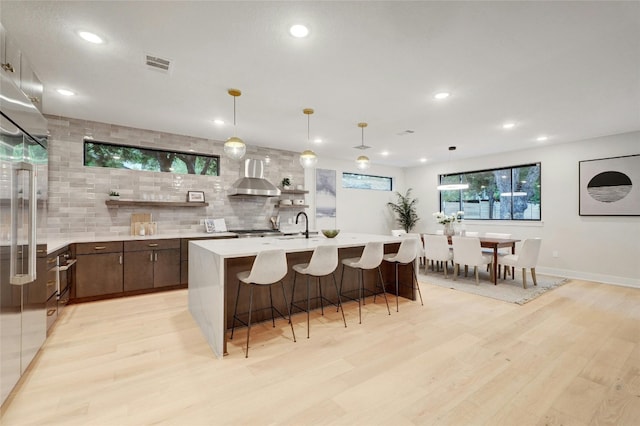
(358, 210)
(598, 248)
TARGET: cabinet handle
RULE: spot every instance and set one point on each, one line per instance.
(150, 257)
(51, 282)
(40, 251)
(99, 248)
(121, 259)
(153, 245)
(51, 312)
(8, 67)
(51, 260)
(156, 256)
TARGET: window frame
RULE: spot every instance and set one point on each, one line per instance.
(389, 179)
(215, 158)
(460, 193)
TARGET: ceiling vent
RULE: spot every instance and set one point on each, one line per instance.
(406, 132)
(157, 63)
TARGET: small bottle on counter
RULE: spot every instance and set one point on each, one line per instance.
(141, 231)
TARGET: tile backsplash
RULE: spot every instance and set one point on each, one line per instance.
(77, 194)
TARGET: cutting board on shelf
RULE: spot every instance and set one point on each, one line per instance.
(139, 217)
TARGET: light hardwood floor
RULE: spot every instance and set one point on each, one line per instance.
(570, 357)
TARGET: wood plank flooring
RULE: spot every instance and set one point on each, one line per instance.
(570, 357)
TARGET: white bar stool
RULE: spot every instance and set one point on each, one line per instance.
(406, 255)
(324, 262)
(269, 268)
(371, 259)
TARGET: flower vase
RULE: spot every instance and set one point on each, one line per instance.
(448, 229)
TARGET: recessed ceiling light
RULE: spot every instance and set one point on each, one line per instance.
(509, 125)
(442, 95)
(542, 138)
(385, 153)
(317, 140)
(65, 92)
(218, 122)
(299, 31)
(90, 37)
(423, 160)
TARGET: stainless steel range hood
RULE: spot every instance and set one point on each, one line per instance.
(253, 182)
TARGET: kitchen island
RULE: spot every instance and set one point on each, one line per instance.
(213, 266)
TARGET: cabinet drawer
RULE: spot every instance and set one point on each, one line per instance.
(97, 248)
(173, 243)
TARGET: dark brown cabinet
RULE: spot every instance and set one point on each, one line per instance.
(151, 264)
(99, 269)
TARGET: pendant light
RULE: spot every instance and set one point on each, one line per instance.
(362, 162)
(452, 186)
(234, 147)
(308, 158)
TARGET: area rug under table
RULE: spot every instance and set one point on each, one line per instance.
(508, 290)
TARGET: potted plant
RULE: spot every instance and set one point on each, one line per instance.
(405, 209)
(286, 183)
(114, 195)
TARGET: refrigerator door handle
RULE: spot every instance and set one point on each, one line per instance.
(16, 277)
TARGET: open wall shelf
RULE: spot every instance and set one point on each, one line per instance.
(134, 203)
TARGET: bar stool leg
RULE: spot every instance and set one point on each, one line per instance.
(308, 305)
(293, 291)
(415, 277)
(288, 310)
(397, 289)
(235, 312)
(335, 284)
(273, 319)
(384, 293)
(321, 297)
(249, 322)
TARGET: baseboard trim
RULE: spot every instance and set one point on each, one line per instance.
(587, 276)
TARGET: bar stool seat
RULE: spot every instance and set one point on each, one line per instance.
(406, 255)
(371, 259)
(269, 268)
(323, 263)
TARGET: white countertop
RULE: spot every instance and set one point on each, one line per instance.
(58, 243)
(252, 246)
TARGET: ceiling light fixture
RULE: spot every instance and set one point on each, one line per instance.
(308, 158)
(542, 138)
(66, 92)
(452, 186)
(299, 31)
(442, 95)
(218, 121)
(234, 147)
(90, 37)
(508, 125)
(362, 162)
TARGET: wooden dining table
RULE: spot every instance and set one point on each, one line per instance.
(495, 244)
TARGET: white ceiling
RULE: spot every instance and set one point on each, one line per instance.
(569, 70)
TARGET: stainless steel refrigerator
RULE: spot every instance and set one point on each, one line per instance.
(23, 205)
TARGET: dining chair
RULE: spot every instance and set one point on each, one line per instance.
(436, 249)
(501, 251)
(406, 255)
(526, 258)
(268, 269)
(467, 251)
(323, 263)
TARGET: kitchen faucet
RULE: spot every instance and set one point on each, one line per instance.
(306, 223)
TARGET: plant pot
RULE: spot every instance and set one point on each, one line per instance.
(114, 197)
(449, 229)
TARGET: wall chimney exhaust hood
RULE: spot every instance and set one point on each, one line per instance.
(253, 182)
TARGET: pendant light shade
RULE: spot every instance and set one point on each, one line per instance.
(362, 162)
(234, 147)
(452, 186)
(308, 158)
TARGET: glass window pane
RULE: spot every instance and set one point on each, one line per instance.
(99, 154)
(358, 181)
(511, 193)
